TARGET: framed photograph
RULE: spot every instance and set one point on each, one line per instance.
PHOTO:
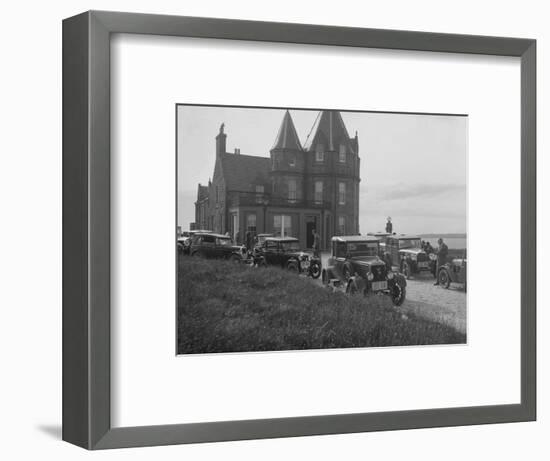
(275, 230)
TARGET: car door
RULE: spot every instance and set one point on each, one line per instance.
(221, 250)
(340, 251)
(208, 246)
(271, 252)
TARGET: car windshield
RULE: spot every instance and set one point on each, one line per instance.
(226, 242)
(410, 243)
(363, 248)
(291, 245)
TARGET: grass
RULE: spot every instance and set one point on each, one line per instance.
(223, 307)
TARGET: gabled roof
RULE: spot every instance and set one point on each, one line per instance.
(287, 138)
(242, 171)
(329, 126)
(202, 192)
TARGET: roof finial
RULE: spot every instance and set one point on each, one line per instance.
(222, 126)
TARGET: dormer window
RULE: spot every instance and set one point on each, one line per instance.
(342, 153)
(292, 161)
(320, 153)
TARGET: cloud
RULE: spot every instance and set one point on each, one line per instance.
(414, 191)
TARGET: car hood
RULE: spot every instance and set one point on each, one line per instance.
(367, 261)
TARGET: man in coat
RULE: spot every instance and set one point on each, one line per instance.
(442, 251)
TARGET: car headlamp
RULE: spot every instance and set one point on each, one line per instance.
(413, 257)
(390, 275)
(370, 276)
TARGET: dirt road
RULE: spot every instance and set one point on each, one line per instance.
(447, 306)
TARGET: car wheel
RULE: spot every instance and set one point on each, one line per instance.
(406, 270)
(315, 270)
(197, 254)
(444, 279)
(398, 294)
(292, 266)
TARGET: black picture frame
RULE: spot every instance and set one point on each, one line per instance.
(86, 229)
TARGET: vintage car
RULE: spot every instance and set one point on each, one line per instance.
(453, 272)
(259, 241)
(382, 236)
(211, 245)
(286, 253)
(405, 252)
(355, 262)
(184, 241)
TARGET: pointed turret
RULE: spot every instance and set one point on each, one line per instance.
(287, 138)
(329, 129)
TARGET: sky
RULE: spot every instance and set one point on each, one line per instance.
(413, 167)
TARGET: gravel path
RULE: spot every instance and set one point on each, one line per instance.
(436, 303)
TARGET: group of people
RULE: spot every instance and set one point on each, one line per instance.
(441, 251)
(428, 248)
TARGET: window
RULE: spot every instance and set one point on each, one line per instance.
(271, 245)
(259, 193)
(251, 222)
(290, 245)
(342, 193)
(341, 225)
(208, 239)
(320, 153)
(292, 161)
(342, 154)
(217, 194)
(282, 225)
(318, 196)
(292, 190)
(339, 249)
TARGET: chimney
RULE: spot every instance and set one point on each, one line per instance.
(221, 141)
(237, 151)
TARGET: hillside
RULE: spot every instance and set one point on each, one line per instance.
(224, 307)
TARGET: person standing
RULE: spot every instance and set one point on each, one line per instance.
(316, 243)
(389, 226)
(442, 251)
(248, 240)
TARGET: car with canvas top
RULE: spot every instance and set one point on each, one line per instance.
(355, 264)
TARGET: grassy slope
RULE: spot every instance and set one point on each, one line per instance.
(228, 308)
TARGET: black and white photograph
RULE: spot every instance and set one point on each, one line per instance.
(313, 229)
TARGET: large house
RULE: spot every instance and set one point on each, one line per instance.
(290, 193)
